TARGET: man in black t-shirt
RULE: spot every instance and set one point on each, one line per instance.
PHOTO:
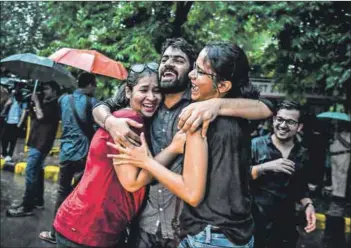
(279, 179)
(43, 131)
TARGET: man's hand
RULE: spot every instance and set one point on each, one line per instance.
(34, 98)
(119, 129)
(310, 218)
(281, 165)
(198, 113)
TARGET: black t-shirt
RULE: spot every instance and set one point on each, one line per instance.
(227, 201)
(43, 132)
(275, 194)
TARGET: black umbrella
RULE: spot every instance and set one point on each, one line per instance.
(31, 66)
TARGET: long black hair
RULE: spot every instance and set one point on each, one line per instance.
(132, 80)
(229, 62)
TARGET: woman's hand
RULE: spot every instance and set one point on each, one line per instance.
(178, 142)
(129, 154)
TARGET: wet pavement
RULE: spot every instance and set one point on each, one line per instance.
(23, 231)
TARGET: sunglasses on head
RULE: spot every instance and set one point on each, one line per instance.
(139, 68)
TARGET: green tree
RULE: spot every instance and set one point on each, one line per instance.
(23, 28)
(298, 44)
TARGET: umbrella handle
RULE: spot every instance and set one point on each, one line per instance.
(35, 86)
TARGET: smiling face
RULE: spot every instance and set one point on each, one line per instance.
(145, 96)
(286, 124)
(173, 71)
(202, 80)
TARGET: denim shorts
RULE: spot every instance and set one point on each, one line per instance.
(208, 239)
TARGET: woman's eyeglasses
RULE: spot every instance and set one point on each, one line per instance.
(199, 71)
(139, 68)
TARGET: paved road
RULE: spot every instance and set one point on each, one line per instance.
(23, 232)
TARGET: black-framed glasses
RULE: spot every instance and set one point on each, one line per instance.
(289, 122)
(200, 71)
(139, 68)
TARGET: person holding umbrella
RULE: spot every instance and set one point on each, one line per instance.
(45, 115)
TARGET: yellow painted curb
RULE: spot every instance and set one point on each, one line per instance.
(20, 168)
(321, 222)
(51, 172)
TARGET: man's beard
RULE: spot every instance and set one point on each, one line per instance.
(176, 86)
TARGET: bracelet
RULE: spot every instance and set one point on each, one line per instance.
(104, 122)
(306, 206)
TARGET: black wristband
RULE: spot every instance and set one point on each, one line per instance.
(306, 206)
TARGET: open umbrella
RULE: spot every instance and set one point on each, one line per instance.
(31, 66)
(90, 61)
(335, 116)
(8, 82)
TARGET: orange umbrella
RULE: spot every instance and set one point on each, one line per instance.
(90, 61)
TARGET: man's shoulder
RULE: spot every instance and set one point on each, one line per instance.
(260, 141)
(62, 97)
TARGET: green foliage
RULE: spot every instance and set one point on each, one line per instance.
(23, 28)
(299, 44)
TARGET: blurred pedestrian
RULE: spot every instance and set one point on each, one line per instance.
(279, 179)
(340, 160)
(15, 112)
(77, 131)
(45, 119)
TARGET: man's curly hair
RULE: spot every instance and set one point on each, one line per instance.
(182, 45)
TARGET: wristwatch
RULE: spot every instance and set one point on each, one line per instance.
(306, 206)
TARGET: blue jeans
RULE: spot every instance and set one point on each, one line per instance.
(62, 242)
(208, 239)
(34, 193)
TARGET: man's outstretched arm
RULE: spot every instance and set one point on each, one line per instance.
(205, 112)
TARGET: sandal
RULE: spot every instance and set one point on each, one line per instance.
(47, 236)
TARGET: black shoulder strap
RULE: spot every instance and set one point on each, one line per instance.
(83, 126)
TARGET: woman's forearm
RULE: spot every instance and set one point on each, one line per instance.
(166, 156)
(191, 185)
